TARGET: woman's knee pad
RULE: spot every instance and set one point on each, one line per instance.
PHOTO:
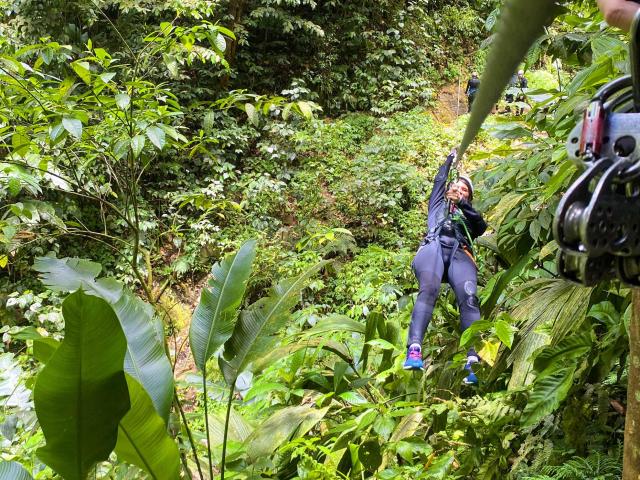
(470, 298)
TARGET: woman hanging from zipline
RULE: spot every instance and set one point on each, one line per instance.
(446, 254)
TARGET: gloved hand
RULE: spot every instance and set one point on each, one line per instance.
(453, 154)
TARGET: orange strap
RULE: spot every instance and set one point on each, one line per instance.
(468, 252)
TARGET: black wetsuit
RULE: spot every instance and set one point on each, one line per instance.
(445, 254)
(472, 88)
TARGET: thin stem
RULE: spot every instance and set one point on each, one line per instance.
(185, 465)
(206, 418)
(189, 435)
(226, 428)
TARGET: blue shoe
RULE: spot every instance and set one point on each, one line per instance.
(471, 378)
(414, 358)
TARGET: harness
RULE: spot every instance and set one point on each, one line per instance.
(461, 240)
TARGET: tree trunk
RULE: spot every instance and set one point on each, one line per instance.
(631, 462)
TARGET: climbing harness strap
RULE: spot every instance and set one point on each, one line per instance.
(457, 217)
(597, 223)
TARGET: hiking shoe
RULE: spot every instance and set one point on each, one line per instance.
(414, 358)
(471, 378)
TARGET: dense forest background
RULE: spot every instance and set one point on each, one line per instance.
(292, 144)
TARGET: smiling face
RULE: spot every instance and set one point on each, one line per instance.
(461, 188)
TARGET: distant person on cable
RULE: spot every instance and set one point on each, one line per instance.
(472, 88)
(521, 80)
(516, 81)
(619, 13)
(521, 83)
(446, 255)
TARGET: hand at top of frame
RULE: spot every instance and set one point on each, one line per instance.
(619, 13)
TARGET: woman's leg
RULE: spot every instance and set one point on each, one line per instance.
(428, 267)
(463, 278)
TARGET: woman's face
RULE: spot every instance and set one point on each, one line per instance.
(459, 189)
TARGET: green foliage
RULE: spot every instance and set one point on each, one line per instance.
(145, 358)
(519, 25)
(141, 146)
(81, 395)
(13, 471)
(143, 439)
(254, 333)
(214, 317)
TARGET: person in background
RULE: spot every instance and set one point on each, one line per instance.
(619, 13)
(472, 88)
(446, 254)
(521, 83)
(521, 80)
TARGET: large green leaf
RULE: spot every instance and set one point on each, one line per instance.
(521, 23)
(81, 394)
(285, 424)
(369, 334)
(71, 274)
(214, 317)
(551, 302)
(13, 471)
(501, 284)
(146, 359)
(570, 348)
(547, 394)
(283, 351)
(143, 438)
(239, 429)
(335, 323)
(440, 468)
(253, 335)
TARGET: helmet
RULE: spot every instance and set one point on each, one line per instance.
(474, 74)
(469, 183)
(520, 72)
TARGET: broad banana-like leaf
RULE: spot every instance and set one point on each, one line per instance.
(71, 274)
(547, 394)
(282, 426)
(283, 351)
(552, 302)
(215, 316)
(146, 359)
(370, 332)
(44, 348)
(253, 335)
(405, 428)
(239, 429)
(81, 394)
(570, 348)
(143, 438)
(335, 323)
(13, 471)
(521, 23)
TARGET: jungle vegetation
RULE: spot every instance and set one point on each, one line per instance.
(208, 212)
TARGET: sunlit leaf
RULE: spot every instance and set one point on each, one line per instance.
(137, 144)
(122, 101)
(13, 471)
(73, 126)
(81, 394)
(143, 439)
(214, 318)
(157, 136)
